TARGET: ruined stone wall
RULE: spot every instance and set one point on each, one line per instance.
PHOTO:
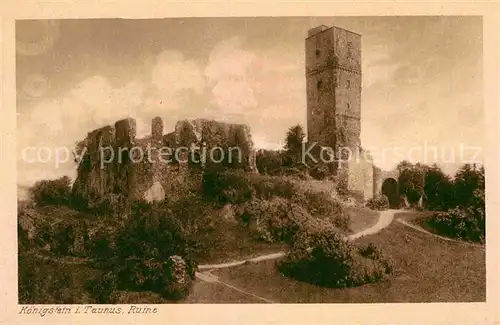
(234, 140)
(146, 168)
(360, 177)
(95, 177)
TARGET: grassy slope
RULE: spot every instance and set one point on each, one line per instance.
(361, 218)
(231, 241)
(427, 269)
(55, 282)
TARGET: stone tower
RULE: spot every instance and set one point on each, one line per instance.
(333, 80)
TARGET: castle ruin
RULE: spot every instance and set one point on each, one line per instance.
(116, 162)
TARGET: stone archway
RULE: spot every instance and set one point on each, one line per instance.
(390, 189)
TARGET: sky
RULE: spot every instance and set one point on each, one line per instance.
(421, 82)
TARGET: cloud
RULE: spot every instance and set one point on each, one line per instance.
(60, 122)
(228, 60)
(173, 73)
(377, 65)
(227, 73)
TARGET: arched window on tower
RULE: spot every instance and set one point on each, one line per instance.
(319, 84)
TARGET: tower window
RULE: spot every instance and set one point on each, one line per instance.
(319, 84)
(348, 84)
(348, 106)
(318, 52)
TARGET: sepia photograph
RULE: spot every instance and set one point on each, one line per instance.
(249, 160)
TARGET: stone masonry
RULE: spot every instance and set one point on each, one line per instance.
(333, 83)
(116, 162)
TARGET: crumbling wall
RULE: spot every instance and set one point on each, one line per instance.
(105, 168)
(222, 143)
(360, 176)
(116, 162)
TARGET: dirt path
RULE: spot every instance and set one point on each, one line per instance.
(384, 220)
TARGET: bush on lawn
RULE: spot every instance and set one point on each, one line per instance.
(468, 219)
(467, 223)
(237, 186)
(322, 205)
(323, 257)
(177, 278)
(171, 278)
(380, 202)
(275, 220)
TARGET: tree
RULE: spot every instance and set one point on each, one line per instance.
(438, 189)
(269, 162)
(52, 192)
(411, 180)
(468, 179)
(79, 150)
(293, 145)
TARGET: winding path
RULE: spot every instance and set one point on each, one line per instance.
(384, 220)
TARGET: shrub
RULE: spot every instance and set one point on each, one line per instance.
(323, 257)
(468, 179)
(236, 186)
(227, 186)
(462, 223)
(153, 232)
(380, 202)
(52, 192)
(177, 278)
(275, 220)
(172, 279)
(48, 282)
(102, 288)
(269, 162)
(438, 189)
(323, 205)
(62, 238)
(99, 241)
(468, 219)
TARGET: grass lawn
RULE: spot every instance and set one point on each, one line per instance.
(232, 241)
(427, 269)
